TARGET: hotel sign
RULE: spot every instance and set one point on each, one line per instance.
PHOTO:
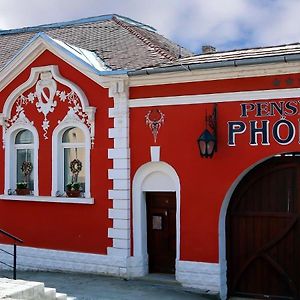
(259, 129)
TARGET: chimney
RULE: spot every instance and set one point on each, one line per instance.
(208, 49)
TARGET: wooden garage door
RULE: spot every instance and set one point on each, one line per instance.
(263, 232)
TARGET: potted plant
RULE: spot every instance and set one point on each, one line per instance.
(73, 189)
(22, 188)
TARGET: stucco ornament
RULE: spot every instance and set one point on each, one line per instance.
(154, 119)
(45, 83)
(46, 98)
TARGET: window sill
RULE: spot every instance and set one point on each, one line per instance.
(47, 199)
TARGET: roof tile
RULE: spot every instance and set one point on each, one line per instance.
(121, 43)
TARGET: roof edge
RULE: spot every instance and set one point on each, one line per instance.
(221, 64)
(42, 27)
(40, 42)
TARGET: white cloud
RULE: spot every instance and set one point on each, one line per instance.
(192, 23)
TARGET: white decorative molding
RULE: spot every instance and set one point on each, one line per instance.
(77, 200)
(150, 177)
(45, 79)
(216, 98)
(32, 80)
(120, 173)
(199, 275)
(46, 82)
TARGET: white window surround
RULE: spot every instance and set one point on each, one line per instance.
(57, 154)
(71, 147)
(150, 177)
(10, 156)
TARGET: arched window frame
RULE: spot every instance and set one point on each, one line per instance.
(10, 157)
(57, 157)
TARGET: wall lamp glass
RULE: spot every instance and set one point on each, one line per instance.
(207, 141)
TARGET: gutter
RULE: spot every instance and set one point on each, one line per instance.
(217, 64)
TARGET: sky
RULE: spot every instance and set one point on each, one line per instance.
(224, 24)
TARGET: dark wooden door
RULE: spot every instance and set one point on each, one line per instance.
(263, 232)
(161, 231)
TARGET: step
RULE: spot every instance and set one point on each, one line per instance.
(28, 290)
(61, 296)
(21, 289)
(50, 293)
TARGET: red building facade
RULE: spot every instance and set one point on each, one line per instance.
(148, 201)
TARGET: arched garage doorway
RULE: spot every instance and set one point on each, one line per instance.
(263, 232)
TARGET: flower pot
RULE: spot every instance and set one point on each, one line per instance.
(23, 191)
(74, 194)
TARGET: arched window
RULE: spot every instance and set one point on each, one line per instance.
(71, 145)
(24, 148)
(21, 160)
(74, 157)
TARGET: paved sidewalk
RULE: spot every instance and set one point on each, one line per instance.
(93, 287)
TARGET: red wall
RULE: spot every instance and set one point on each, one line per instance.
(56, 225)
(204, 182)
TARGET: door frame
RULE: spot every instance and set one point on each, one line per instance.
(155, 203)
(222, 226)
(151, 177)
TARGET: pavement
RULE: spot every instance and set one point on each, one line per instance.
(94, 287)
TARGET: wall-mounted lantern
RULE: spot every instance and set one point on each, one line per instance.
(207, 141)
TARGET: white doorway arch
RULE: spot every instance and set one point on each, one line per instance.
(151, 177)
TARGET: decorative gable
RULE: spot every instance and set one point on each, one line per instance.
(40, 93)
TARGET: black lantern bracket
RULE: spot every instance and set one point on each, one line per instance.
(207, 141)
(212, 123)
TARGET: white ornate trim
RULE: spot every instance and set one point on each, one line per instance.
(32, 80)
(152, 176)
(46, 104)
(46, 82)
